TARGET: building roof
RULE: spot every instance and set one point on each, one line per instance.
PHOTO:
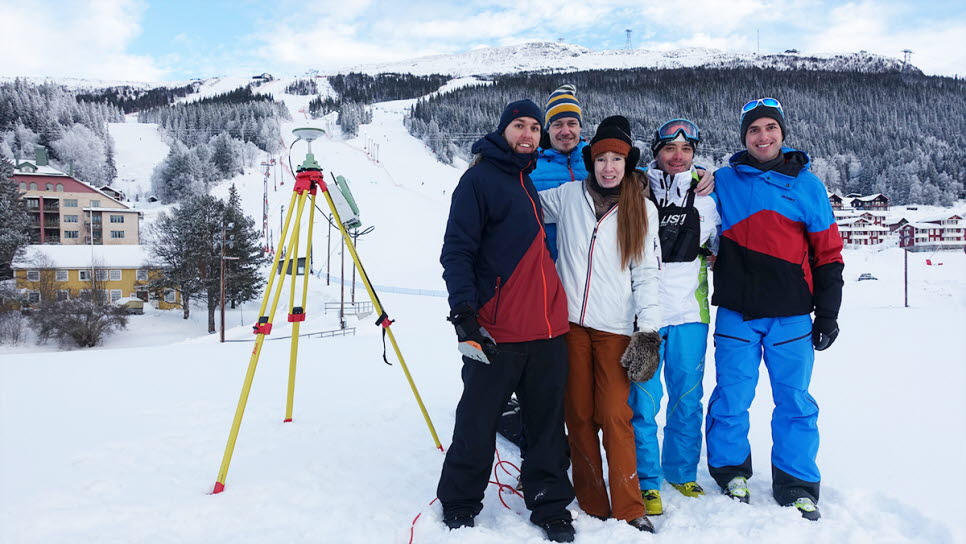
(870, 197)
(41, 170)
(80, 256)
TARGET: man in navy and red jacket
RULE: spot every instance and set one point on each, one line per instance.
(510, 312)
(779, 260)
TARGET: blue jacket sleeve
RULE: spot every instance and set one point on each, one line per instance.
(461, 243)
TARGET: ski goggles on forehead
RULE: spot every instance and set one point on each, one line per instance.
(672, 128)
(767, 102)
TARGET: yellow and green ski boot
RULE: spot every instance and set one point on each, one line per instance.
(689, 489)
(652, 502)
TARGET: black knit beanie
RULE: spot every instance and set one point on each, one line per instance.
(762, 111)
(613, 134)
(520, 108)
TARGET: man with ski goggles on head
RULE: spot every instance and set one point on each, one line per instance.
(689, 234)
(780, 259)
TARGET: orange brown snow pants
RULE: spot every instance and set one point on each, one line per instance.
(596, 399)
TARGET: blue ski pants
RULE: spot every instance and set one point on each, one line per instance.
(785, 343)
(682, 359)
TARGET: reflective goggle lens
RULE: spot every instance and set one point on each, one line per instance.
(769, 102)
(669, 130)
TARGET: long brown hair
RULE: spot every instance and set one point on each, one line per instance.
(632, 218)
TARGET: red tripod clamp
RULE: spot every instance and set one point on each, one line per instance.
(309, 180)
(298, 314)
(263, 326)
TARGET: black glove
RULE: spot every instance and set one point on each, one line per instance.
(474, 341)
(824, 332)
(641, 358)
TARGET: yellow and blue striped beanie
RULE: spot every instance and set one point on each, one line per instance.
(563, 103)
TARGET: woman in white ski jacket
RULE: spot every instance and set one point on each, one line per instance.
(609, 264)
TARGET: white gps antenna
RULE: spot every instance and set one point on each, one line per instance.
(309, 134)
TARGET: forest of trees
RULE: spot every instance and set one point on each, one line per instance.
(357, 91)
(903, 135)
(131, 99)
(213, 139)
(74, 131)
(302, 87)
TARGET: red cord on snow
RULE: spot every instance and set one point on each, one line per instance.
(503, 488)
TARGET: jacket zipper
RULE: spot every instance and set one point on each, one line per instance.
(590, 263)
(543, 274)
(496, 308)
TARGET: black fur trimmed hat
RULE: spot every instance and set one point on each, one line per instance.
(613, 134)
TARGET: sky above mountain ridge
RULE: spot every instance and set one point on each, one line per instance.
(155, 40)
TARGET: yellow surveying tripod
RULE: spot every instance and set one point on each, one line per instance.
(308, 180)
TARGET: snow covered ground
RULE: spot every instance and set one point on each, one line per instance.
(123, 443)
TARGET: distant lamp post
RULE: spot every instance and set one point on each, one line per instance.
(223, 259)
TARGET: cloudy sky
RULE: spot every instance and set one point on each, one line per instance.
(153, 40)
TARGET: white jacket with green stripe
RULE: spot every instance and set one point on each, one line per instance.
(684, 286)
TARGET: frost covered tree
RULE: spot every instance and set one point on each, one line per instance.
(87, 153)
(187, 247)
(14, 221)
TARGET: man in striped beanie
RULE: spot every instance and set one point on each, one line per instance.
(560, 158)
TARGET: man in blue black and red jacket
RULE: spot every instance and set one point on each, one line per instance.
(510, 313)
(780, 259)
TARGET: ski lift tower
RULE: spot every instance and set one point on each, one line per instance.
(905, 59)
(627, 44)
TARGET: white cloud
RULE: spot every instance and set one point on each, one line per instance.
(87, 40)
(939, 48)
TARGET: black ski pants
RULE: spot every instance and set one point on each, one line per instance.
(537, 372)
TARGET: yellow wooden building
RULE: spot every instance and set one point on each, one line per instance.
(62, 271)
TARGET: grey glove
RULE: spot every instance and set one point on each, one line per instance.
(641, 358)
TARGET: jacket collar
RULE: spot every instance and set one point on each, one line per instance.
(669, 188)
(574, 157)
(782, 176)
(496, 150)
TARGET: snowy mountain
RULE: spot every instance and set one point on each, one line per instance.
(563, 57)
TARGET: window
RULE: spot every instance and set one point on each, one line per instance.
(33, 203)
(70, 219)
(33, 186)
(115, 295)
(49, 186)
(33, 275)
(60, 187)
(61, 275)
(63, 294)
(95, 203)
(142, 275)
(115, 275)
(23, 186)
(102, 275)
(117, 219)
(169, 295)
(33, 296)
(84, 275)
(115, 234)
(73, 234)
(70, 202)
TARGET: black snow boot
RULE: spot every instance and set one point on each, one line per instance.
(642, 524)
(559, 530)
(458, 521)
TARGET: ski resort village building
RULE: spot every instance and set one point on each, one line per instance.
(861, 219)
(61, 272)
(68, 211)
(938, 233)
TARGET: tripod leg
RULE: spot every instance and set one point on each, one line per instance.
(386, 323)
(262, 328)
(298, 314)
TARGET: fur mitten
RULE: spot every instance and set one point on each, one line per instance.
(642, 358)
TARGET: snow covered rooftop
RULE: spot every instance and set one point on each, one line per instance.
(46, 170)
(81, 256)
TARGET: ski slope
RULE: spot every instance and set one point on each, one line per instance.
(123, 443)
